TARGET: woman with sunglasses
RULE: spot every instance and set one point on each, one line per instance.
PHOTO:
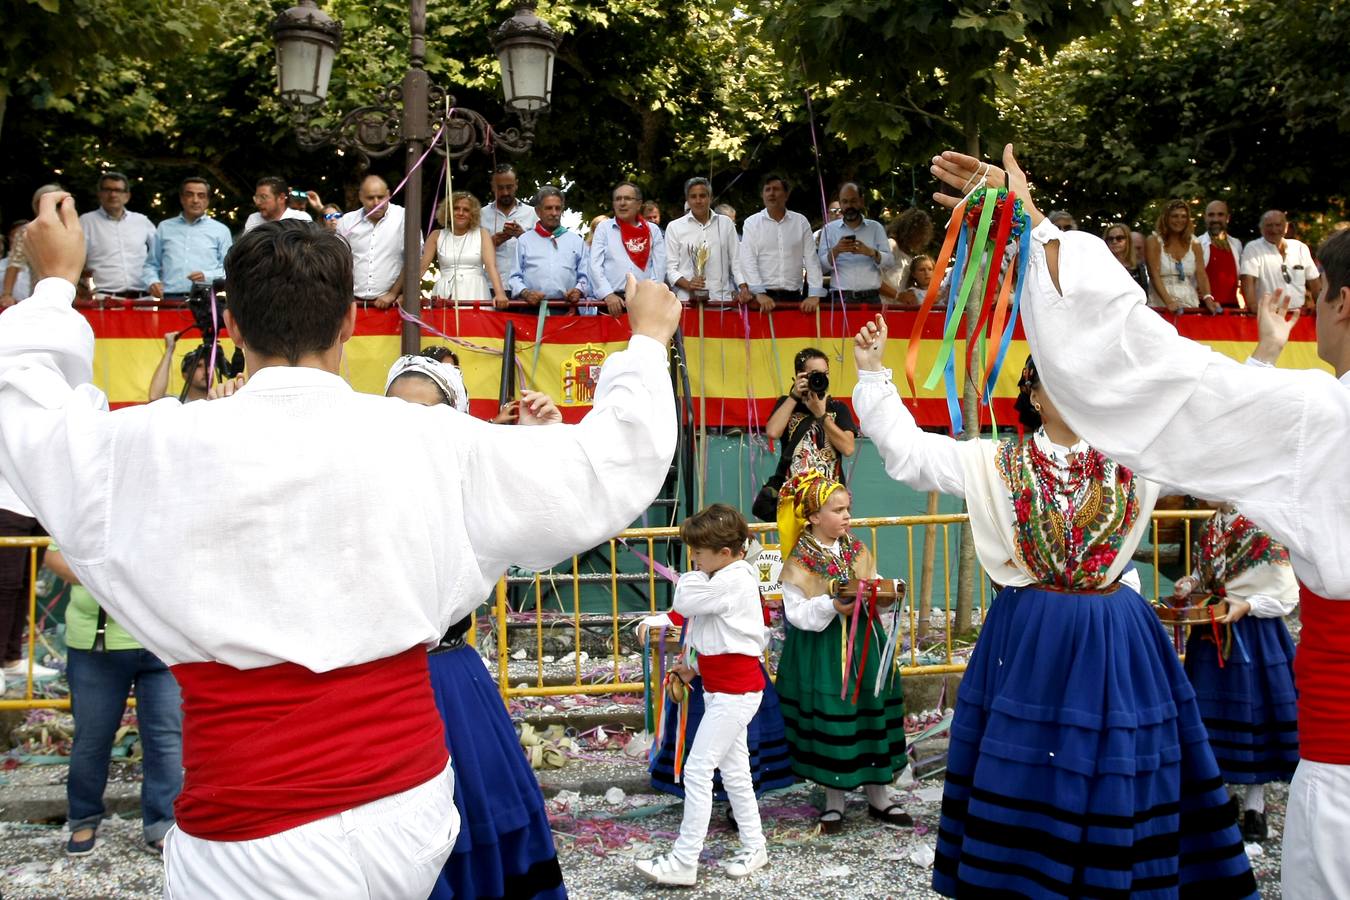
(1117, 237)
(1176, 262)
(332, 214)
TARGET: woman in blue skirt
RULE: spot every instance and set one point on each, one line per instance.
(505, 845)
(1242, 668)
(1078, 766)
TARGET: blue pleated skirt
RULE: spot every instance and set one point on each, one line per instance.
(1079, 766)
(505, 846)
(1249, 706)
(770, 764)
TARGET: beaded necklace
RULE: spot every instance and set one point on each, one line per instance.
(820, 560)
(1229, 545)
(1071, 517)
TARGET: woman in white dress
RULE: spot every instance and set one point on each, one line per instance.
(1176, 263)
(465, 257)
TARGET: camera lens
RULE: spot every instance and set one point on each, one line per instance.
(818, 383)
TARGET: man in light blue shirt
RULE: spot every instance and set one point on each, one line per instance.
(854, 250)
(189, 248)
(626, 244)
(549, 261)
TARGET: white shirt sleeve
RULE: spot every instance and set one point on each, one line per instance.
(924, 461)
(807, 613)
(1130, 386)
(698, 595)
(749, 256)
(585, 482)
(1272, 590)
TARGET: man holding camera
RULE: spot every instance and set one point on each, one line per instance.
(817, 431)
(272, 197)
(190, 248)
(196, 378)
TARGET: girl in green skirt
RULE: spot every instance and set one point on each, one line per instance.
(844, 715)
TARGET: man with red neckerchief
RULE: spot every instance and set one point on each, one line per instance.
(548, 262)
(288, 588)
(625, 245)
(1156, 402)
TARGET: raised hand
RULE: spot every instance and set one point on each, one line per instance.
(653, 309)
(54, 240)
(966, 173)
(1274, 323)
(868, 345)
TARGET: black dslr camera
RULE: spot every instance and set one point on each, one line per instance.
(818, 383)
(206, 302)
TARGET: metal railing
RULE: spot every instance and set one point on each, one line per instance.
(923, 614)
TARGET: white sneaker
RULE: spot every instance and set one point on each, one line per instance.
(19, 671)
(665, 870)
(746, 862)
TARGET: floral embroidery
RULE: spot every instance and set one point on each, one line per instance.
(1230, 544)
(1071, 519)
(820, 560)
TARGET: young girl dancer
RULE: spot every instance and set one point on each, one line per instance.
(1078, 764)
(843, 731)
(1244, 680)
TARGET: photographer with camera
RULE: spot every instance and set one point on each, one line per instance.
(816, 430)
(195, 375)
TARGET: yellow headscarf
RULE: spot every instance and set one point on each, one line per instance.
(803, 495)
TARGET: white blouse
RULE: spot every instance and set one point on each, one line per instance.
(1272, 441)
(935, 462)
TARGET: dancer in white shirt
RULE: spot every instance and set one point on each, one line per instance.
(1156, 402)
(260, 546)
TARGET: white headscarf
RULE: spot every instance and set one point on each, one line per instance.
(446, 377)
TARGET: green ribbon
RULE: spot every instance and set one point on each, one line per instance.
(980, 249)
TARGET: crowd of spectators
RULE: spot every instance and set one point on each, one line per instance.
(515, 252)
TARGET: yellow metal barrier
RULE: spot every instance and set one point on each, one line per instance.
(939, 529)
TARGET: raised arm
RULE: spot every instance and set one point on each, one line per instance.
(588, 481)
(924, 461)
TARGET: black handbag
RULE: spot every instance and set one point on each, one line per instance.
(765, 507)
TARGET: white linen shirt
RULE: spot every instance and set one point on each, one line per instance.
(1261, 260)
(256, 218)
(722, 274)
(493, 219)
(1154, 401)
(115, 249)
(936, 462)
(299, 521)
(377, 250)
(776, 253)
(723, 613)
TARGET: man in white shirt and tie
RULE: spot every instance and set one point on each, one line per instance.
(778, 251)
(702, 252)
(375, 234)
(116, 240)
(305, 614)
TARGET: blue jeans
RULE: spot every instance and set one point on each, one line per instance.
(99, 683)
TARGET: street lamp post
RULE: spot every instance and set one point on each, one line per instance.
(403, 114)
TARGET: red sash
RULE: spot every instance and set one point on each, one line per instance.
(731, 673)
(1322, 671)
(266, 750)
(1223, 275)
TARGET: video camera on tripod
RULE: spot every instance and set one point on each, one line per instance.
(205, 302)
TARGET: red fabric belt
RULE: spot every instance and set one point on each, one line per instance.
(1322, 671)
(731, 673)
(266, 750)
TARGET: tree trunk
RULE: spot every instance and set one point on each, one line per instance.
(926, 572)
(970, 410)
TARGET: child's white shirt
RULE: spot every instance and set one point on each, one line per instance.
(724, 612)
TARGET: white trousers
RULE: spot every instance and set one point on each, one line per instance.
(1316, 862)
(719, 744)
(390, 849)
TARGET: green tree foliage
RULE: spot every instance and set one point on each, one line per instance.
(1199, 99)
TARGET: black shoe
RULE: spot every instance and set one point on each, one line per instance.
(1254, 827)
(731, 820)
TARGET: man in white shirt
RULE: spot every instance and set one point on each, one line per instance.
(116, 240)
(778, 252)
(702, 252)
(375, 234)
(305, 614)
(1146, 397)
(1275, 262)
(854, 250)
(506, 218)
(272, 197)
(1222, 268)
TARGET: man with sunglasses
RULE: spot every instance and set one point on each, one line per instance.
(1276, 262)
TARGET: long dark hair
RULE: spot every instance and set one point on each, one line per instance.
(1026, 413)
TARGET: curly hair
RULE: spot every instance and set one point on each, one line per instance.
(911, 230)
